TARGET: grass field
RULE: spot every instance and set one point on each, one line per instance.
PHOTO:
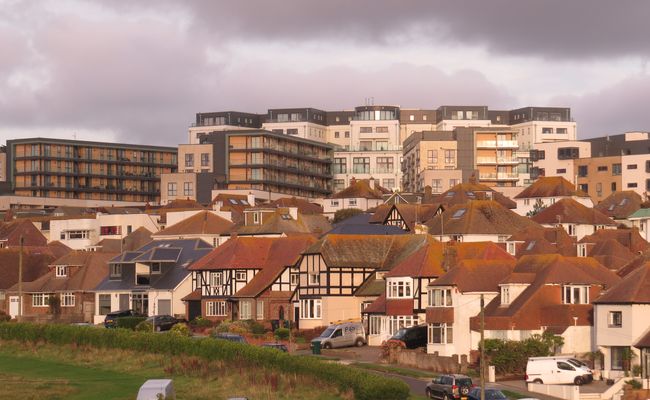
(46, 371)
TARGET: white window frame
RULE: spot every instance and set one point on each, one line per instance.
(245, 311)
(259, 309)
(446, 333)
(240, 275)
(397, 322)
(511, 247)
(399, 288)
(40, 300)
(440, 297)
(294, 278)
(215, 309)
(311, 308)
(313, 278)
(157, 270)
(67, 299)
(575, 294)
(506, 297)
(216, 279)
(376, 324)
(611, 320)
(582, 250)
(61, 271)
(115, 270)
(334, 203)
(352, 202)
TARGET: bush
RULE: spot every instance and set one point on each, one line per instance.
(180, 330)
(510, 356)
(129, 322)
(364, 385)
(256, 328)
(4, 317)
(281, 334)
(200, 322)
(636, 385)
(144, 326)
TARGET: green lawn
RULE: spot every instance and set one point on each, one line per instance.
(413, 373)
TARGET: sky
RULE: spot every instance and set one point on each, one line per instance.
(138, 72)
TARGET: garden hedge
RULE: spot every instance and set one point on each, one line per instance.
(365, 385)
(129, 322)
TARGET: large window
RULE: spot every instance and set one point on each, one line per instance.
(215, 309)
(441, 333)
(188, 189)
(399, 288)
(432, 156)
(361, 165)
(568, 153)
(388, 183)
(385, 164)
(440, 298)
(205, 159)
(365, 129)
(450, 156)
(40, 300)
(245, 309)
(615, 319)
(215, 279)
(110, 230)
(67, 299)
(189, 160)
(339, 166)
(575, 294)
(376, 324)
(618, 357)
(365, 145)
(397, 322)
(310, 309)
(140, 303)
(582, 170)
(171, 189)
(260, 309)
(436, 186)
(104, 304)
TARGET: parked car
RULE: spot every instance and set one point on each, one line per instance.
(557, 370)
(447, 387)
(490, 394)
(342, 335)
(110, 321)
(411, 338)
(231, 337)
(277, 346)
(162, 322)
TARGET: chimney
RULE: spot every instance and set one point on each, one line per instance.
(428, 194)
(371, 183)
(353, 181)
(251, 199)
(293, 211)
(448, 256)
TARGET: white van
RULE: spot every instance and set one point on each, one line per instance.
(342, 335)
(557, 370)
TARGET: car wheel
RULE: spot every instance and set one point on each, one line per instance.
(359, 342)
(445, 396)
(158, 328)
(578, 381)
(327, 346)
(538, 381)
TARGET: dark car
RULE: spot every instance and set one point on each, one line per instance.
(231, 337)
(162, 322)
(110, 321)
(447, 387)
(411, 338)
(490, 394)
(277, 346)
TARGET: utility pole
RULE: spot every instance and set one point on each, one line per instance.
(20, 278)
(482, 362)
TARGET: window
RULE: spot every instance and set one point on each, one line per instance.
(436, 186)
(614, 186)
(365, 145)
(571, 229)
(599, 189)
(260, 309)
(188, 189)
(565, 366)
(155, 268)
(395, 323)
(388, 183)
(450, 156)
(432, 156)
(205, 159)
(310, 309)
(399, 288)
(115, 270)
(347, 134)
(616, 169)
(110, 230)
(536, 155)
(584, 187)
(631, 166)
(171, 189)
(334, 203)
(440, 298)
(376, 324)
(385, 165)
(104, 304)
(352, 202)
(67, 299)
(381, 129)
(561, 131)
(292, 131)
(361, 165)
(582, 170)
(245, 309)
(215, 308)
(381, 145)
(240, 275)
(336, 135)
(632, 185)
(411, 117)
(215, 279)
(568, 153)
(647, 166)
(582, 250)
(189, 160)
(560, 171)
(602, 168)
(618, 354)
(459, 213)
(294, 279)
(40, 300)
(338, 185)
(547, 130)
(440, 333)
(313, 278)
(505, 294)
(365, 129)
(339, 166)
(61, 271)
(615, 319)
(575, 294)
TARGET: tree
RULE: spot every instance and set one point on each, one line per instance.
(537, 208)
(342, 215)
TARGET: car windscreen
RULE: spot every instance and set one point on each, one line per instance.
(494, 395)
(327, 333)
(577, 363)
(399, 335)
(463, 382)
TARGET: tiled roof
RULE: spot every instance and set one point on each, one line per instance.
(378, 306)
(615, 248)
(399, 306)
(550, 186)
(485, 217)
(360, 188)
(132, 241)
(35, 264)
(644, 341)
(477, 275)
(543, 240)
(283, 223)
(554, 268)
(371, 287)
(611, 254)
(570, 211)
(359, 225)
(201, 223)
(469, 191)
(11, 232)
(234, 203)
(435, 259)
(303, 206)
(411, 213)
(633, 289)
(194, 295)
(620, 205)
(628, 237)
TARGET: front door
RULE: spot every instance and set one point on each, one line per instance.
(124, 302)
(193, 309)
(14, 306)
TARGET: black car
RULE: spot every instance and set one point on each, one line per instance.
(490, 394)
(231, 337)
(162, 322)
(111, 318)
(411, 338)
(277, 346)
(448, 387)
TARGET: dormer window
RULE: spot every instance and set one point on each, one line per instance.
(156, 268)
(61, 271)
(115, 270)
(505, 295)
(511, 248)
(575, 294)
(256, 218)
(582, 250)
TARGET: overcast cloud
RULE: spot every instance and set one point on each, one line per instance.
(139, 71)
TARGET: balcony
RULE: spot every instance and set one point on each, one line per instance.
(500, 144)
(497, 160)
(500, 176)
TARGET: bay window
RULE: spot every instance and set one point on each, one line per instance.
(441, 333)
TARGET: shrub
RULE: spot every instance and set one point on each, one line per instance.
(636, 385)
(180, 330)
(4, 317)
(256, 328)
(282, 334)
(144, 326)
(200, 322)
(364, 385)
(509, 356)
(129, 322)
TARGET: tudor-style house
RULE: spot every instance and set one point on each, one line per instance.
(152, 280)
(247, 278)
(406, 216)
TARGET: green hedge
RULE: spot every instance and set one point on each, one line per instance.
(365, 385)
(129, 322)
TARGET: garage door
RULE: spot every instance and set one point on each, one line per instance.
(164, 307)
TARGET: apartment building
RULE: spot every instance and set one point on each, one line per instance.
(251, 160)
(3, 164)
(557, 159)
(542, 125)
(222, 121)
(494, 155)
(73, 169)
(430, 160)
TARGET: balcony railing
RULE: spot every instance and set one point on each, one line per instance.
(497, 143)
(497, 160)
(500, 176)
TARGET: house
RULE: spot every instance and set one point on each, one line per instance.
(621, 321)
(546, 191)
(619, 206)
(363, 194)
(72, 279)
(613, 248)
(275, 222)
(577, 219)
(152, 280)
(205, 225)
(341, 274)
(235, 204)
(407, 217)
(541, 240)
(477, 221)
(10, 233)
(404, 299)
(463, 193)
(303, 206)
(639, 220)
(247, 278)
(360, 225)
(547, 292)
(131, 242)
(455, 297)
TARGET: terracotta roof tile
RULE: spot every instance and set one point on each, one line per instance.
(543, 240)
(410, 213)
(378, 306)
(35, 264)
(620, 205)
(194, 295)
(303, 206)
(11, 232)
(644, 341)
(399, 306)
(470, 191)
(627, 237)
(477, 275)
(201, 223)
(633, 289)
(360, 188)
(550, 186)
(570, 211)
(282, 223)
